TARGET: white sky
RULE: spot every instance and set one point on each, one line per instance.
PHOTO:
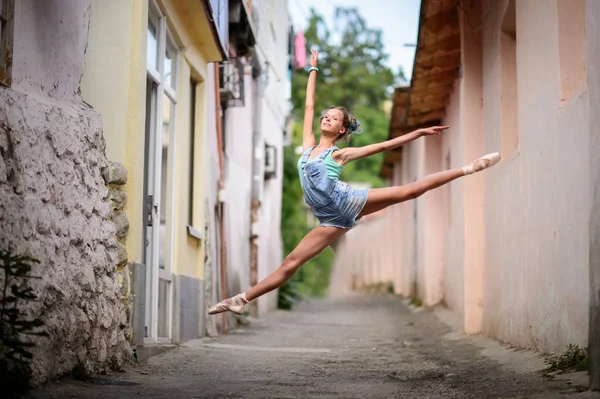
(398, 19)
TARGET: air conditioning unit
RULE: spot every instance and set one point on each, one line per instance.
(228, 81)
(270, 161)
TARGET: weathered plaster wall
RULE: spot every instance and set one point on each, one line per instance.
(54, 199)
(518, 236)
(535, 276)
(592, 29)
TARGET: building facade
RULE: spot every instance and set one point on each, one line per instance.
(136, 189)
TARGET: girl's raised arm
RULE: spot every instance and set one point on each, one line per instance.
(308, 136)
(353, 153)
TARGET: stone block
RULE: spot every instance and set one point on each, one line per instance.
(124, 279)
(121, 224)
(122, 254)
(115, 173)
(118, 199)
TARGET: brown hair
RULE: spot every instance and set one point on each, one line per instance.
(349, 122)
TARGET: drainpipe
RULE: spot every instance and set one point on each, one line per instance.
(218, 111)
(257, 180)
(221, 184)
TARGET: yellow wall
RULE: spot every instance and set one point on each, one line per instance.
(114, 83)
(189, 27)
(187, 249)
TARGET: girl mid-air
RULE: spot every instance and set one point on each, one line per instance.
(337, 205)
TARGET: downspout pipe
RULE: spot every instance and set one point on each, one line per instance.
(222, 246)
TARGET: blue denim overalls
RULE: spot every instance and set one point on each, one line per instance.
(334, 203)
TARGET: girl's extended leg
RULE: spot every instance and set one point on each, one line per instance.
(311, 245)
(380, 198)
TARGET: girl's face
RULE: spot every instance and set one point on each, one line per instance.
(332, 122)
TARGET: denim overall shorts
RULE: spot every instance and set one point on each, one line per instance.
(333, 202)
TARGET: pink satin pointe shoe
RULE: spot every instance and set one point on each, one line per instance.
(482, 163)
(235, 305)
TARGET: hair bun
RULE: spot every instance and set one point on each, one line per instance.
(355, 126)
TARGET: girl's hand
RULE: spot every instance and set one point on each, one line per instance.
(314, 57)
(434, 130)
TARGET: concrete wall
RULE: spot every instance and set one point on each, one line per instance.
(592, 31)
(54, 208)
(515, 247)
(471, 125)
(454, 228)
(536, 234)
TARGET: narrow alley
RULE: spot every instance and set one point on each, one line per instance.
(358, 347)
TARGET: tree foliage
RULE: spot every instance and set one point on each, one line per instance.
(353, 74)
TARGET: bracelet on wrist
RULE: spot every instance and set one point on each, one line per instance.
(313, 69)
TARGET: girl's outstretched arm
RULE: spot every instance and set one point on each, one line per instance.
(353, 153)
(308, 137)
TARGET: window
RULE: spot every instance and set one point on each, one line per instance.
(508, 89)
(7, 12)
(571, 47)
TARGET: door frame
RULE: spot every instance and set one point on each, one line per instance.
(159, 87)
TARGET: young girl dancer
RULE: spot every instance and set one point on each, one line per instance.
(335, 203)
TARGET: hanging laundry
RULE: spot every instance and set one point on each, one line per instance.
(300, 50)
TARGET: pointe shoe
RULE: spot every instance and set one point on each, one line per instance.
(235, 305)
(482, 163)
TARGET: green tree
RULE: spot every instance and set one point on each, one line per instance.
(353, 74)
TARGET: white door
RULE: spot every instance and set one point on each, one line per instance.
(161, 99)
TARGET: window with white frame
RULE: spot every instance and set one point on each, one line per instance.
(7, 12)
(161, 67)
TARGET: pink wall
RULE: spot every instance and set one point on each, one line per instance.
(452, 151)
(571, 47)
(506, 250)
(433, 218)
(535, 287)
(471, 113)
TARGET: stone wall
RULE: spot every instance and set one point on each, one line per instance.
(54, 200)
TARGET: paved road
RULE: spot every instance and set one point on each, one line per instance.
(361, 347)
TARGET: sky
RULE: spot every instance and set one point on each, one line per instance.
(398, 19)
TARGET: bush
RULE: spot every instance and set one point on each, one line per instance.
(574, 358)
(15, 358)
